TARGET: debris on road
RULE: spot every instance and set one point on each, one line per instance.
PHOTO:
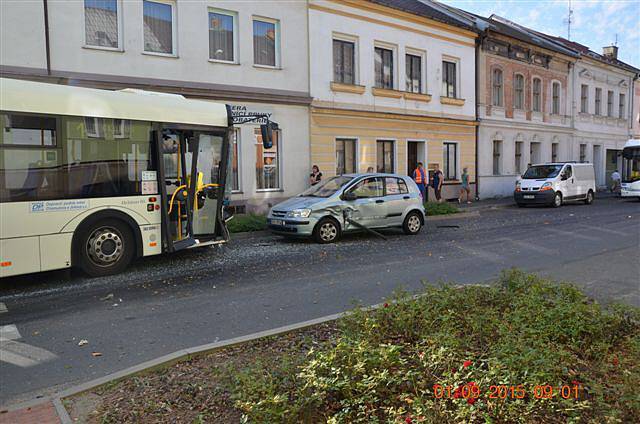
(107, 297)
(83, 342)
(96, 354)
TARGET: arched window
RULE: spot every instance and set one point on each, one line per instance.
(518, 92)
(497, 87)
(537, 94)
(555, 109)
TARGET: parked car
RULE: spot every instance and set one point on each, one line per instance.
(556, 183)
(347, 203)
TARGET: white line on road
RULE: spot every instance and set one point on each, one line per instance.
(3, 308)
(23, 355)
(9, 332)
(531, 246)
(572, 234)
(483, 254)
(608, 230)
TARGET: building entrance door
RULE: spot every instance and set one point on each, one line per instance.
(612, 165)
(412, 157)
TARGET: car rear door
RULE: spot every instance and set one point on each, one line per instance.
(397, 198)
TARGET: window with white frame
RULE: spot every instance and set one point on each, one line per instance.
(537, 95)
(518, 157)
(583, 153)
(266, 42)
(621, 105)
(94, 127)
(450, 161)
(413, 65)
(346, 157)
(497, 152)
(385, 156)
(267, 162)
(102, 23)
(159, 27)
(584, 98)
(518, 91)
(344, 59)
(449, 79)
(497, 88)
(554, 152)
(598, 101)
(555, 105)
(610, 103)
(235, 160)
(383, 61)
(121, 128)
(222, 35)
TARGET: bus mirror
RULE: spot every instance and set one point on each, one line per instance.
(266, 130)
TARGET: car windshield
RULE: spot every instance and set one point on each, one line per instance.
(542, 171)
(326, 188)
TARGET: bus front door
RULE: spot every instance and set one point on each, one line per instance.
(190, 170)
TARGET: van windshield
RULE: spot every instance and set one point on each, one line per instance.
(542, 171)
(326, 188)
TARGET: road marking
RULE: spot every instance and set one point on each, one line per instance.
(572, 234)
(18, 353)
(531, 246)
(483, 254)
(607, 230)
(3, 308)
(9, 332)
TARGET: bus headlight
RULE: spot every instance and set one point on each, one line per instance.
(299, 213)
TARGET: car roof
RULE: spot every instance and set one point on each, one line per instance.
(374, 174)
(561, 163)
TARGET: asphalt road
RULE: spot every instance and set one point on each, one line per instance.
(167, 303)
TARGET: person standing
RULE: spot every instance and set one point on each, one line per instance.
(465, 185)
(437, 183)
(316, 175)
(615, 180)
(420, 177)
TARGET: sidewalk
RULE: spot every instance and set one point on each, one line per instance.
(42, 413)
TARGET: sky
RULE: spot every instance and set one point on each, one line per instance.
(595, 22)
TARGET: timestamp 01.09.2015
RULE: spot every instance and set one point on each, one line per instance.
(501, 391)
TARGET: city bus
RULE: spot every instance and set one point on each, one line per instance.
(94, 178)
(631, 169)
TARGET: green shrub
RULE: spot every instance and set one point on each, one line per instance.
(524, 330)
(248, 222)
(435, 208)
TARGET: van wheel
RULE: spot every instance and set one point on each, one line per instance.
(326, 231)
(557, 200)
(412, 223)
(589, 199)
(105, 247)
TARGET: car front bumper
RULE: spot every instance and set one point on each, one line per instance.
(291, 227)
(534, 197)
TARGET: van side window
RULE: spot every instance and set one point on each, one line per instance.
(568, 171)
(369, 187)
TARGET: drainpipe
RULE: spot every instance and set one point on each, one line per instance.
(46, 35)
(477, 76)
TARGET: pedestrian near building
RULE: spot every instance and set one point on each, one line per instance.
(370, 170)
(316, 175)
(615, 181)
(437, 183)
(465, 185)
(421, 178)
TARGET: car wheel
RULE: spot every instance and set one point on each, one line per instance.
(589, 199)
(412, 223)
(557, 200)
(106, 247)
(326, 231)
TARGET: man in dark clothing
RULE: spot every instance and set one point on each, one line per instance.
(437, 183)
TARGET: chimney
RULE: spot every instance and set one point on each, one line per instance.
(610, 52)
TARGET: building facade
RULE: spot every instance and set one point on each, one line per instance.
(635, 116)
(393, 84)
(252, 55)
(524, 104)
(602, 109)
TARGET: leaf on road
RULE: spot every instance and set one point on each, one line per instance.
(96, 354)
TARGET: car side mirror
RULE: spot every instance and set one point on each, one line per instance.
(349, 196)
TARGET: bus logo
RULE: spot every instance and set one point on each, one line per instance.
(37, 206)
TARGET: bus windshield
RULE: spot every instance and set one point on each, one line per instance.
(542, 171)
(327, 188)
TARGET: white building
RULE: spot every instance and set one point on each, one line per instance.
(393, 83)
(253, 55)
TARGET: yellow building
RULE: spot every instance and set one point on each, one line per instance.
(391, 89)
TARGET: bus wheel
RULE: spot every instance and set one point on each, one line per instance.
(106, 247)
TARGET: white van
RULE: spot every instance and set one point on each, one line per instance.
(556, 183)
